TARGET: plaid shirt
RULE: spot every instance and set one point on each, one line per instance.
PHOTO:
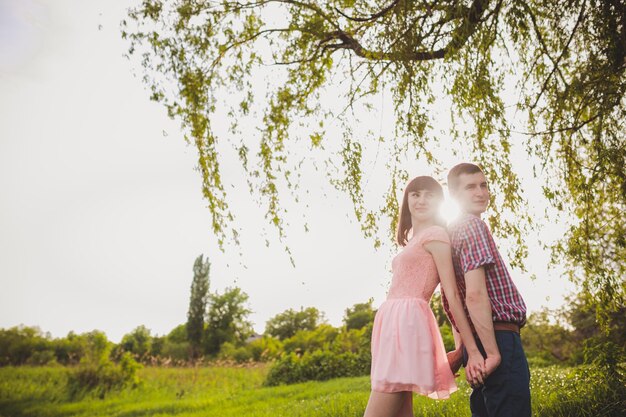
(473, 247)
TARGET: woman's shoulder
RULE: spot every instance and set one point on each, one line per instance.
(435, 232)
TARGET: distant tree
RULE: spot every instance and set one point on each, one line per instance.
(138, 342)
(97, 348)
(359, 315)
(227, 320)
(175, 344)
(178, 334)
(23, 344)
(70, 349)
(286, 324)
(547, 338)
(585, 316)
(198, 305)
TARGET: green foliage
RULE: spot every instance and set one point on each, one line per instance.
(445, 328)
(447, 336)
(318, 365)
(548, 342)
(262, 349)
(359, 315)
(436, 305)
(25, 345)
(178, 334)
(286, 324)
(582, 391)
(138, 342)
(352, 340)
(175, 346)
(70, 349)
(321, 337)
(97, 374)
(265, 349)
(198, 305)
(227, 320)
(600, 331)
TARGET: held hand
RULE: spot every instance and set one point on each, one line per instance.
(455, 359)
(491, 364)
(475, 372)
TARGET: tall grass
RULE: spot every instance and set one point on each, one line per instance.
(231, 391)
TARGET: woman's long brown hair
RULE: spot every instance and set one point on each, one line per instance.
(404, 220)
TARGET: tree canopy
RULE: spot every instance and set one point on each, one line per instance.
(286, 324)
(227, 320)
(563, 61)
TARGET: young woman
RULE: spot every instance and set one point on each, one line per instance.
(407, 350)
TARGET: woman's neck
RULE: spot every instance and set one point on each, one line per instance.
(418, 226)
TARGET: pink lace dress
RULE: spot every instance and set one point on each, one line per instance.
(407, 349)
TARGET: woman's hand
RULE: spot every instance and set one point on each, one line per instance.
(455, 359)
(475, 370)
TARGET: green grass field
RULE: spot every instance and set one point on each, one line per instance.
(232, 391)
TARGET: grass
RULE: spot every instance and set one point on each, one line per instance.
(231, 391)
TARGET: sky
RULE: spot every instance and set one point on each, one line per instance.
(101, 210)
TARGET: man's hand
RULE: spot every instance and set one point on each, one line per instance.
(475, 370)
(455, 359)
(491, 364)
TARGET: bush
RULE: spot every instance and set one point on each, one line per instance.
(265, 349)
(317, 366)
(102, 378)
(177, 351)
(44, 357)
(311, 340)
(238, 354)
(96, 373)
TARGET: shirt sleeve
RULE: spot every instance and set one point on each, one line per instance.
(476, 250)
(437, 233)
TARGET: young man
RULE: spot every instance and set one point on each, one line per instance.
(493, 304)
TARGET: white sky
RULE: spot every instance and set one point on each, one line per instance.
(101, 213)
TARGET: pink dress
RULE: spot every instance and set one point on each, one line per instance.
(407, 349)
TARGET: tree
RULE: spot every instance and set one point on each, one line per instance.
(25, 345)
(585, 316)
(138, 342)
(198, 305)
(359, 315)
(563, 61)
(547, 339)
(176, 345)
(286, 324)
(227, 320)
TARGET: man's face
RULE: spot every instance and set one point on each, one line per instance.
(472, 193)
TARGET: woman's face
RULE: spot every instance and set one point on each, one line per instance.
(423, 205)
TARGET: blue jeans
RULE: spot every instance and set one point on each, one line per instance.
(506, 392)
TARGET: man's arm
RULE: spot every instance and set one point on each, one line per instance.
(442, 256)
(479, 308)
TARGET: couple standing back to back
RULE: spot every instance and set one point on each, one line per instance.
(479, 297)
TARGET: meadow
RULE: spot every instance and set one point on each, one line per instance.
(230, 391)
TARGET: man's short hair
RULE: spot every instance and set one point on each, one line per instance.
(458, 170)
